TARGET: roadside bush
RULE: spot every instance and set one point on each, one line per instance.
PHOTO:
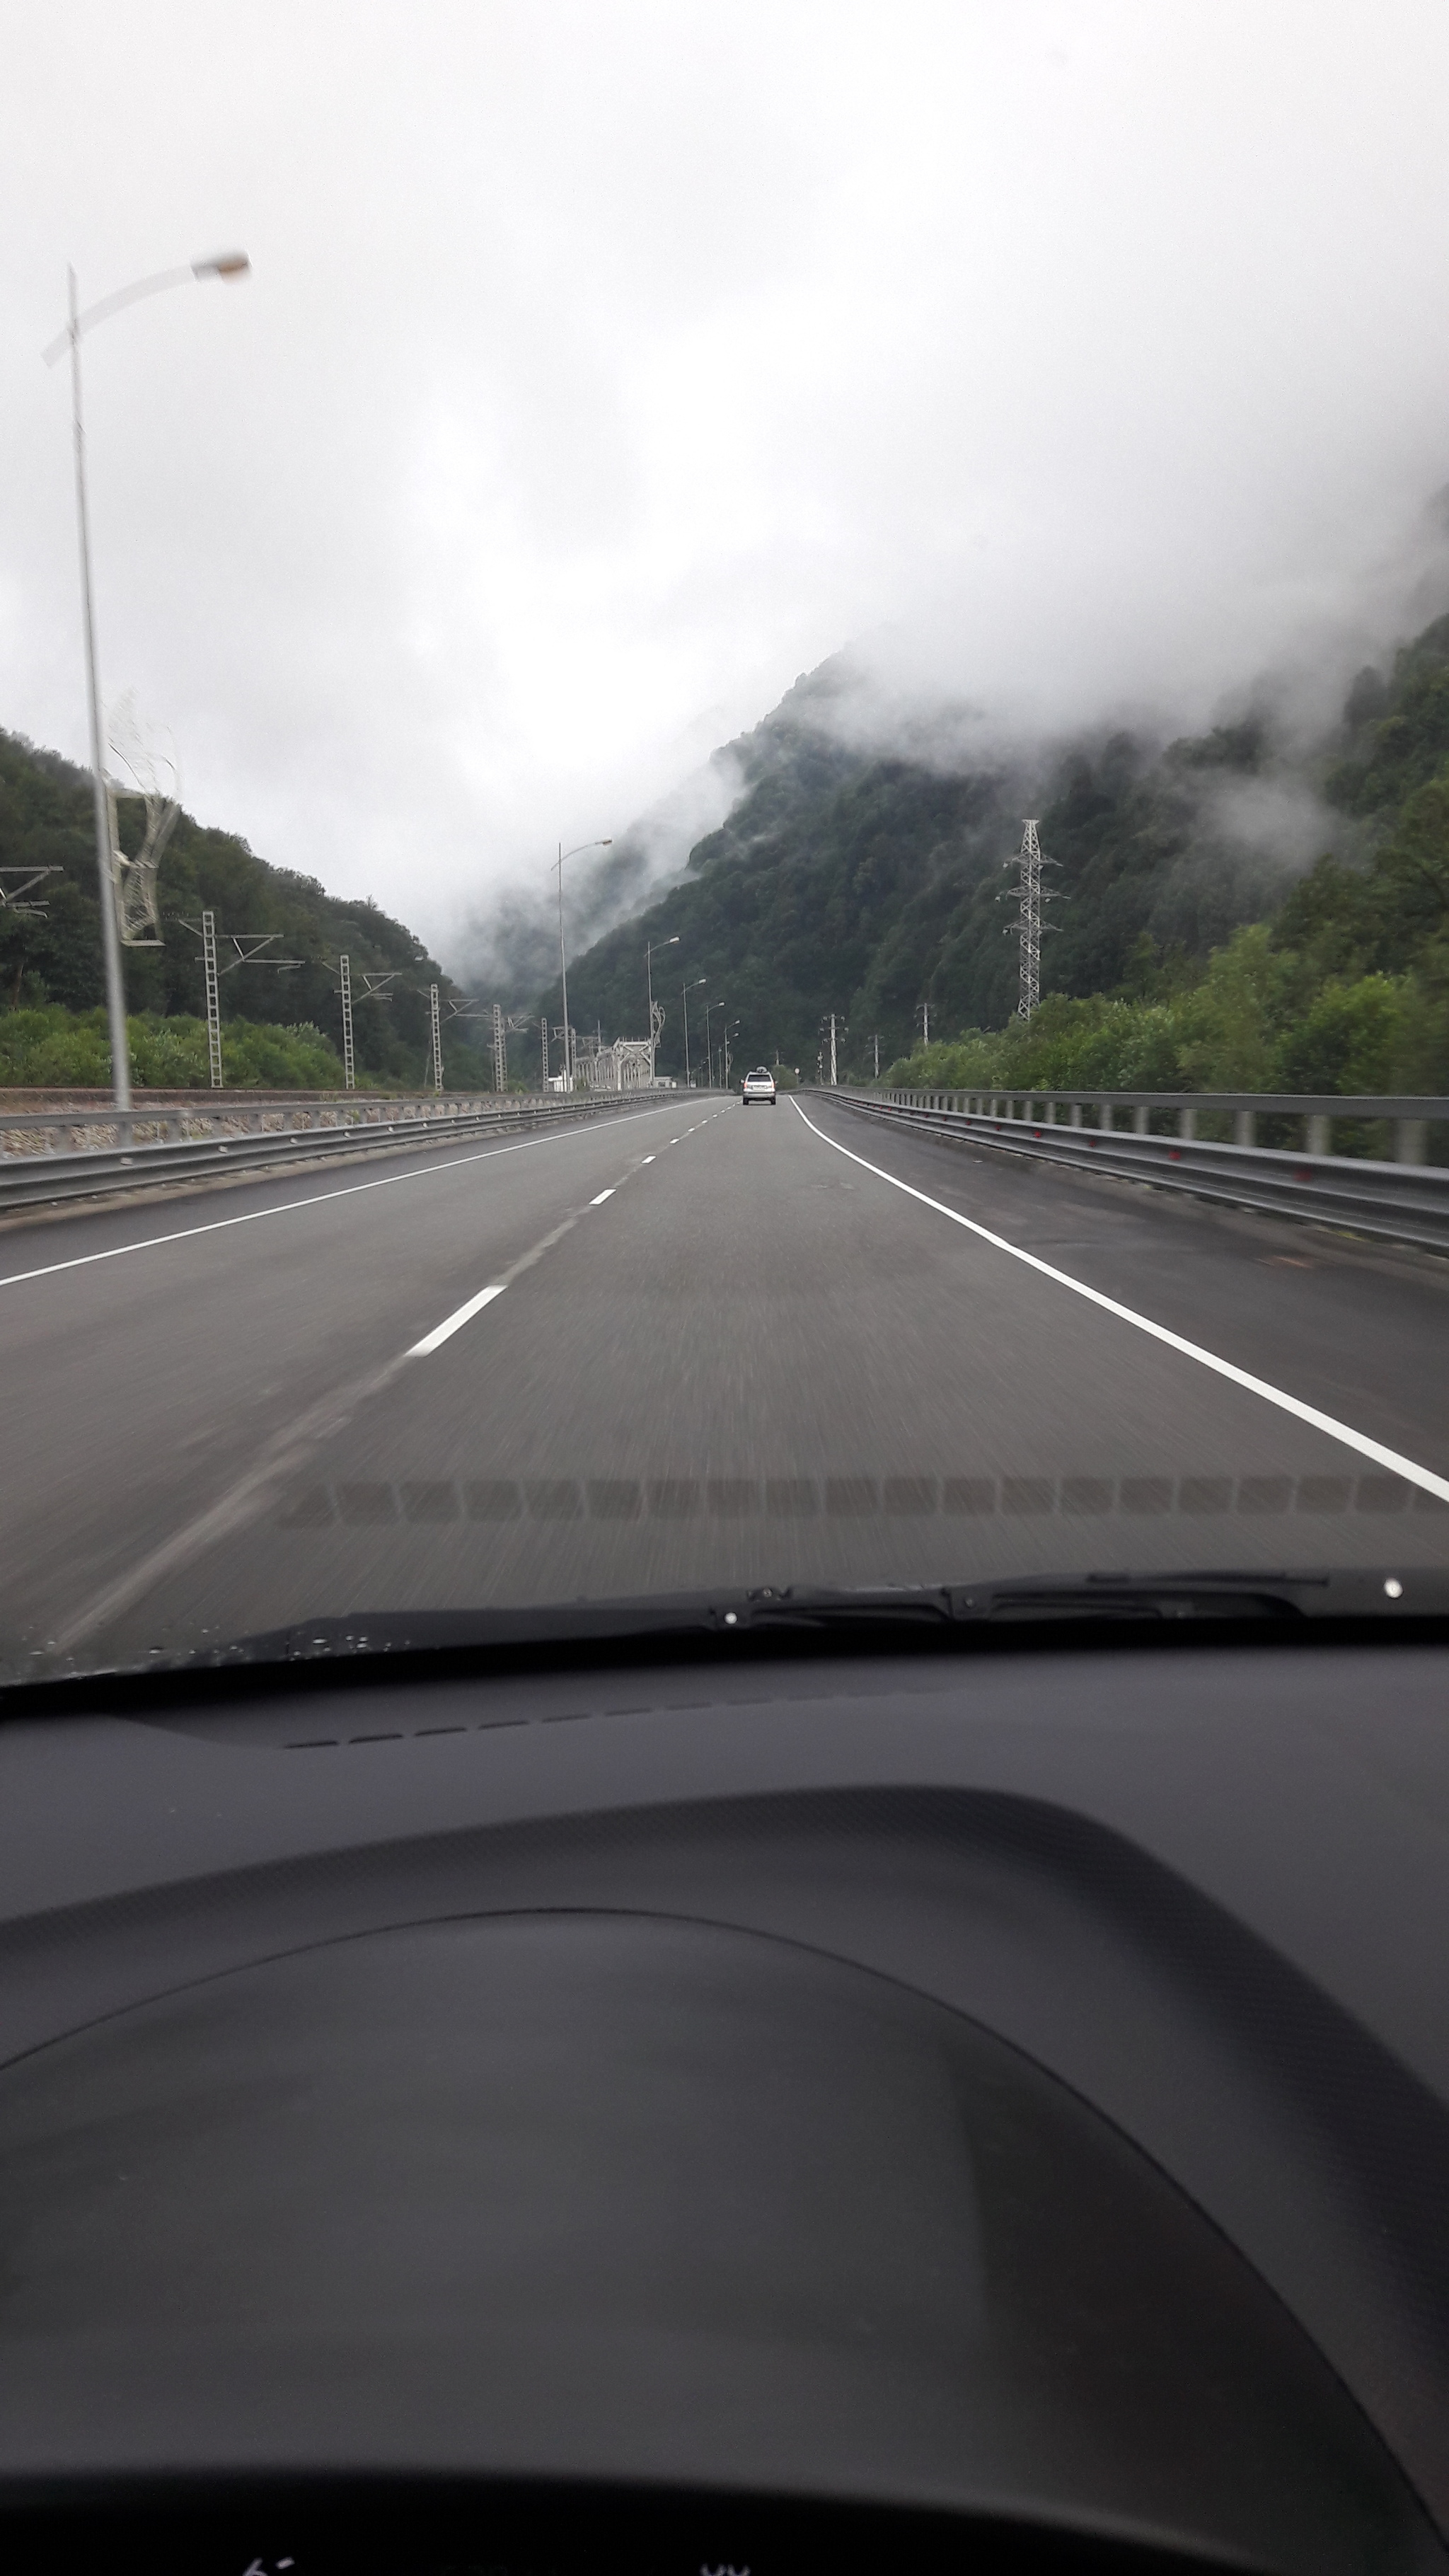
(55, 1049)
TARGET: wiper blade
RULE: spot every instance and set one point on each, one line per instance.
(1020, 1612)
(655, 1615)
(1213, 1593)
(826, 1610)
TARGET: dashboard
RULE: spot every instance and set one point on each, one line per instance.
(988, 2110)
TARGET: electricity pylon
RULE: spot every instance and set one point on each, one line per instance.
(1030, 895)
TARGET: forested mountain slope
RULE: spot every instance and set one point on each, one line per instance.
(46, 820)
(866, 885)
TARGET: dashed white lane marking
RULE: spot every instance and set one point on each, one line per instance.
(451, 1323)
(599, 1201)
(647, 1158)
(1408, 1468)
(319, 1198)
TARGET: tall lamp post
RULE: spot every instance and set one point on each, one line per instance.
(649, 980)
(708, 1053)
(232, 263)
(684, 993)
(563, 963)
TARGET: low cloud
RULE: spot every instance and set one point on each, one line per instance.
(508, 951)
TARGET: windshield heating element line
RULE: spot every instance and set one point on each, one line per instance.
(1408, 1468)
(451, 1323)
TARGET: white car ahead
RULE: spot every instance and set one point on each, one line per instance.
(759, 1085)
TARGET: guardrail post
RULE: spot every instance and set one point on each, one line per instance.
(1411, 1140)
(1320, 1135)
(1074, 1114)
(1245, 1127)
(1139, 1121)
(1187, 1125)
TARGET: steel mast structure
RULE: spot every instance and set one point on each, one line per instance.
(249, 949)
(1030, 894)
(374, 989)
(137, 911)
(349, 1064)
(227, 264)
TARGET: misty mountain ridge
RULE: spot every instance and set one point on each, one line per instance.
(868, 880)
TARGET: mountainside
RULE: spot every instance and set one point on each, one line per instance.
(868, 885)
(46, 821)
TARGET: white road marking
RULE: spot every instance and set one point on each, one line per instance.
(1408, 1468)
(320, 1198)
(647, 1158)
(599, 1201)
(452, 1323)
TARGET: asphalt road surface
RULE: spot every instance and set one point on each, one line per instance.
(720, 1348)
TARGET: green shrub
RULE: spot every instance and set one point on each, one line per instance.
(55, 1049)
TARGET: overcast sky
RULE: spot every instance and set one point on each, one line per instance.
(609, 362)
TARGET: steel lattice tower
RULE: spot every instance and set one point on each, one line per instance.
(437, 1035)
(349, 1061)
(1030, 929)
(213, 999)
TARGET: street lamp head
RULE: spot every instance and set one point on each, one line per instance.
(227, 263)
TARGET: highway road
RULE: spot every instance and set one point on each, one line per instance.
(694, 1346)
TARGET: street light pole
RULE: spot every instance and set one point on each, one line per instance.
(563, 964)
(228, 264)
(110, 928)
(650, 947)
(708, 1049)
(684, 993)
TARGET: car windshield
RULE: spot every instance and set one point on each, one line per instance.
(576, 574)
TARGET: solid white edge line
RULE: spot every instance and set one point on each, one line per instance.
(599, 1201)
(1408, 1468)
(451, 1323)
(319, 1198)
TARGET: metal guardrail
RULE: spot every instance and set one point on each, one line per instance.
(49, 1156)
(1405, 1201)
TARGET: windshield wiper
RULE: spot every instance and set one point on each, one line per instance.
(943, 1612)
(1024, 1612)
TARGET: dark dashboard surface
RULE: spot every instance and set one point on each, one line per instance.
(1014, 2089)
